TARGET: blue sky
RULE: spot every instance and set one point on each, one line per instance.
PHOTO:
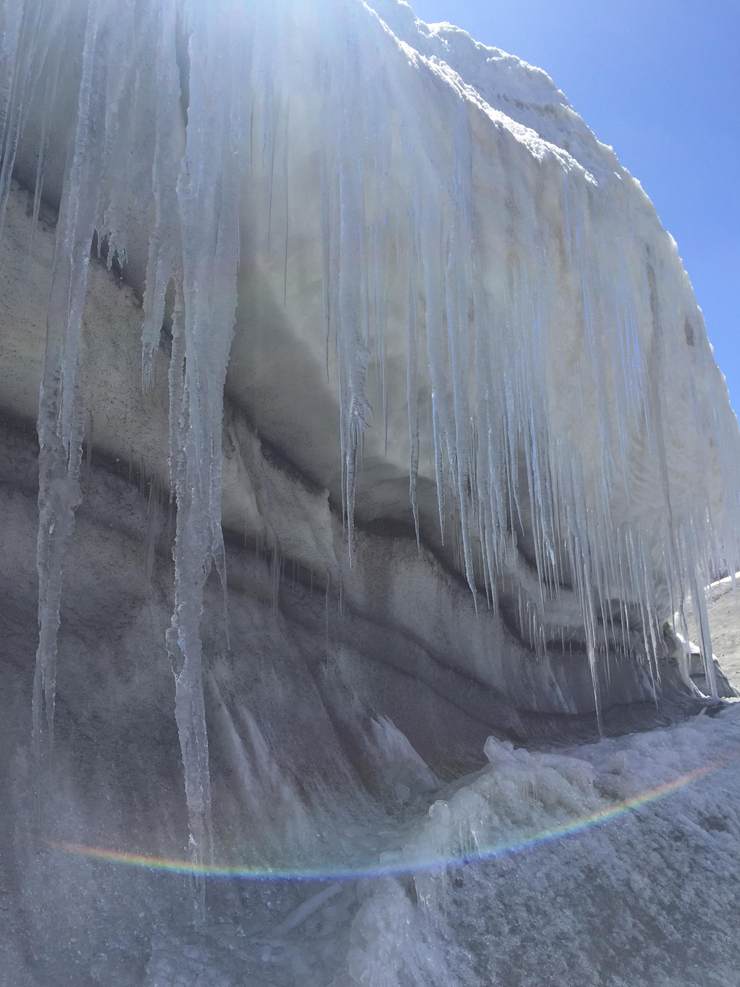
(659, 80)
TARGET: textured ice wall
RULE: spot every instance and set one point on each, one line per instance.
(444, 263)
(308, 777)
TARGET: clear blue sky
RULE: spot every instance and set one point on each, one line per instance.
(659, 80)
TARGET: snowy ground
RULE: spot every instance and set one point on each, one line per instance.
(610, 864)
(613, 863)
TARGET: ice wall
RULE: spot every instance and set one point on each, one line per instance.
(407, 259)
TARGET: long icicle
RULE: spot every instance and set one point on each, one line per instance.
(61, 418)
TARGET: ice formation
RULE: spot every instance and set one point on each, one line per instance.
(334, 211)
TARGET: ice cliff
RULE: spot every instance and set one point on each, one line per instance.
(374, 410)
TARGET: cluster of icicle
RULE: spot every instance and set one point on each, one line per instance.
(129, 58)
(495, 449)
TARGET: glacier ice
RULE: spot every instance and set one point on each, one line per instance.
(513, 286)
(401, 261)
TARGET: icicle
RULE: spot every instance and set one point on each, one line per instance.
(352, 344)
(164, 239)
(411, 379)
(61, 417)
(207, 195)
(50, 92)
(700, 603)
(14, 18)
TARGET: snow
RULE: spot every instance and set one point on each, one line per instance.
(572, 908)
(399, 260)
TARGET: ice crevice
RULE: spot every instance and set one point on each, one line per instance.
(502, 322)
